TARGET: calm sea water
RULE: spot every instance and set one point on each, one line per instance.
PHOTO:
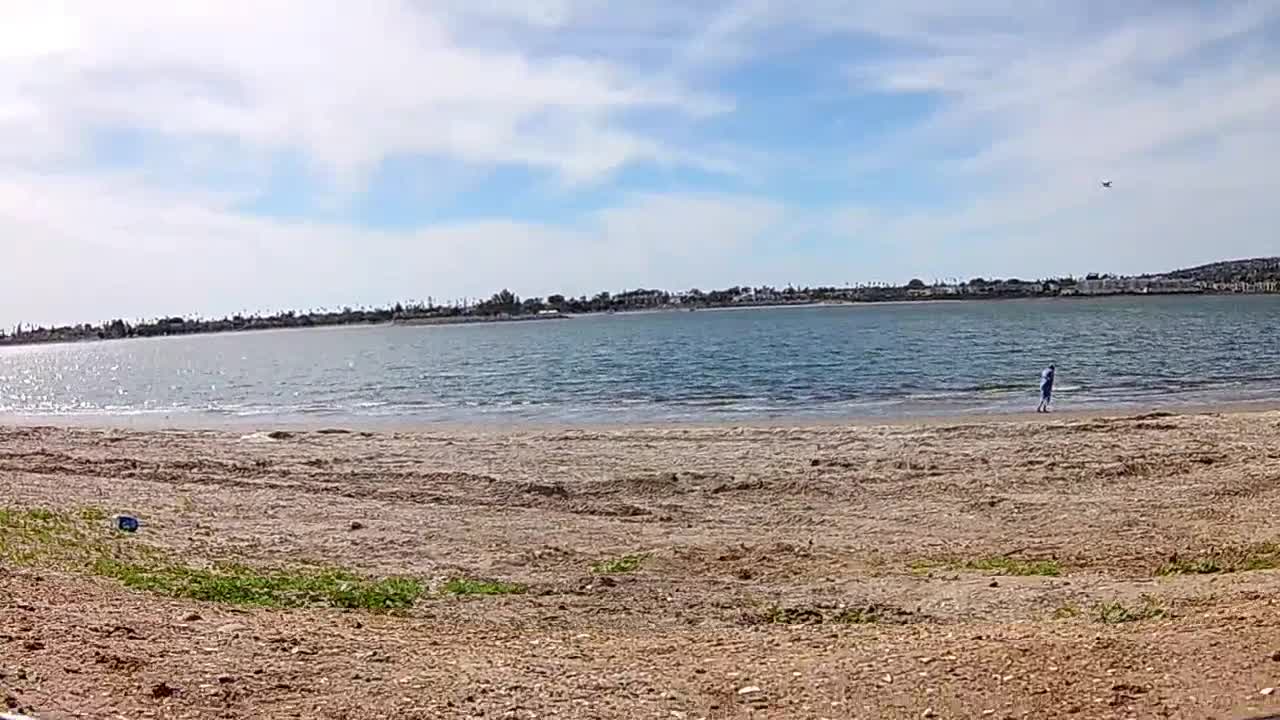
(839, 361)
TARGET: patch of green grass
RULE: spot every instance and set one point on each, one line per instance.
(32, 519)
(44, 515)
(1243, 558)
(1005, 565)
(1116, 612)
(79, 542)
(616, 566)
(995, 565)
(38, 536)
(243, 585)
(923, 567)
(470, 586)
(93, 514)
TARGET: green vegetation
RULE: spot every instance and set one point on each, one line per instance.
(92, 514)
(242, 585)
(41, 515)
(39, 536)
(775, 615)
(923, 567)
(1116, 612)
(624, 564)
(995, 565)
(1244, 558)
(1004, 565)
(469, 586)
(809, 615)
(81, 542)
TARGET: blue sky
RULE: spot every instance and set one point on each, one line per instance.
(162, 158)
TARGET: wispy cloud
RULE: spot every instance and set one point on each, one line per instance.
(1175, 102)
(345, 85)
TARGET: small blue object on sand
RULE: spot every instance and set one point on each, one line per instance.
(126, 523)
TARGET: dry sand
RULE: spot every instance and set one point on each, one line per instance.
(735, 522)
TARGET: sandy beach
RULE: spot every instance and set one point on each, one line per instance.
(1085, 567)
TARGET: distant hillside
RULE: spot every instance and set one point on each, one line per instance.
(1231, 271)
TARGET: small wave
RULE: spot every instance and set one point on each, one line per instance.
(254, 411)
(710, 402)
(365, 404)
(948, 395)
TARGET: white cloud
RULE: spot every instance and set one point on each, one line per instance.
(1175, 103)
(345, 84)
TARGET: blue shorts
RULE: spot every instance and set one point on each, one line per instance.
(1046, 392)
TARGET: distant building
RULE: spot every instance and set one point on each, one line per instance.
(1136, 285)
(1265, 286)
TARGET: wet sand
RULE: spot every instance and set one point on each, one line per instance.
(764, 550)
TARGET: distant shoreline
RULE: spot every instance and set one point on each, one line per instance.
(445, 320)
(473, 319)
(1245, 276)
(415, 322)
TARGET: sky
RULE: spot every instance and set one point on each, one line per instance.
(162, 158)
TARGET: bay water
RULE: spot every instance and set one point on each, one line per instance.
(875, 360)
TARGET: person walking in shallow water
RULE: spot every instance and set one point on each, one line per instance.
(1046, 389)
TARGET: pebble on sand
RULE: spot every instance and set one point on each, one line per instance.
(1266, 691)
(748, 690)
